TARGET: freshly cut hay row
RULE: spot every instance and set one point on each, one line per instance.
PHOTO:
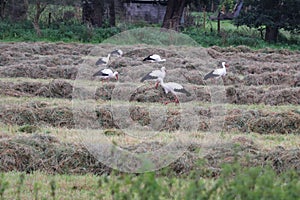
(274, 78)
(58, 116)
(280, 123)
(281, 159)
(282, 97)
(56, 89)
(48, 54)
(47, 154)
(264, 122)
(39, 71)
(277, 95)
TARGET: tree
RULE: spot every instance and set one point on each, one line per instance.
(174, 13)
(39, 8)
(2, 8)
(271, 14)
(92, 12)
(16, 10)
(112, 13)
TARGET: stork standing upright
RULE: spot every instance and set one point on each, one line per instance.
(103, 60)
(154, 75)
(154, 58)
(107, 74)
(217, 73)
(174, 88)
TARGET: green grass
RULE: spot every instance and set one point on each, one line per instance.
(235, 182)
(75, 32)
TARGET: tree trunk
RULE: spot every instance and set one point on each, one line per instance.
(39, 9)
(98, 12)
(173, 14)
(219, 23)
(92, 12)
(2, 8)
(112, 13)
(271, 34)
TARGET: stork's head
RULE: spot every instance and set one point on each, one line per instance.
(224, 64)
(163, 69)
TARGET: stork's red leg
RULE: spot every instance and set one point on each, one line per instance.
(176, 100)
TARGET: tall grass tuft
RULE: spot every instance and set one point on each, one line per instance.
(53, 188)
(19, 185)
(3, 185)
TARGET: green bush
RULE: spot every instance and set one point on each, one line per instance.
(75, 32)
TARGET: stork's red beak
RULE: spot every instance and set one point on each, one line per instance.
(117, 77)
(156, 85)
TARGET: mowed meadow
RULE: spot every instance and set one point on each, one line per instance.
(240, 133)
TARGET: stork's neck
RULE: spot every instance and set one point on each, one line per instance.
(161, 81)
(223, 64)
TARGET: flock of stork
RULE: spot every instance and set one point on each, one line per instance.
(155, 75)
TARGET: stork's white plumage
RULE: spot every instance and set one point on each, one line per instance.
(106, 74)
(103, 60)
(154, 75)
(217, 73)
(117, 52)
(174, 88)
(154, 58)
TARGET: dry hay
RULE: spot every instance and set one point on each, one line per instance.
(141, 53)
(56, 89)
(282, 96)
(24, 89)
(243, 151)
(45, 153)
(147, 94)
(39, 53)
(104, 92)
(249, 95)
(39, 71)
(282, 160)
(263, 122)
(296, 81)
(37, 113)
(275, 95)
(280, 123)
(274, 78)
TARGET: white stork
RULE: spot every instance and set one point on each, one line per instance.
(154, 75)
(103, 60)
(217, 73)
(174, 88)
(154, 58)
(106, 74)
(117, 52)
